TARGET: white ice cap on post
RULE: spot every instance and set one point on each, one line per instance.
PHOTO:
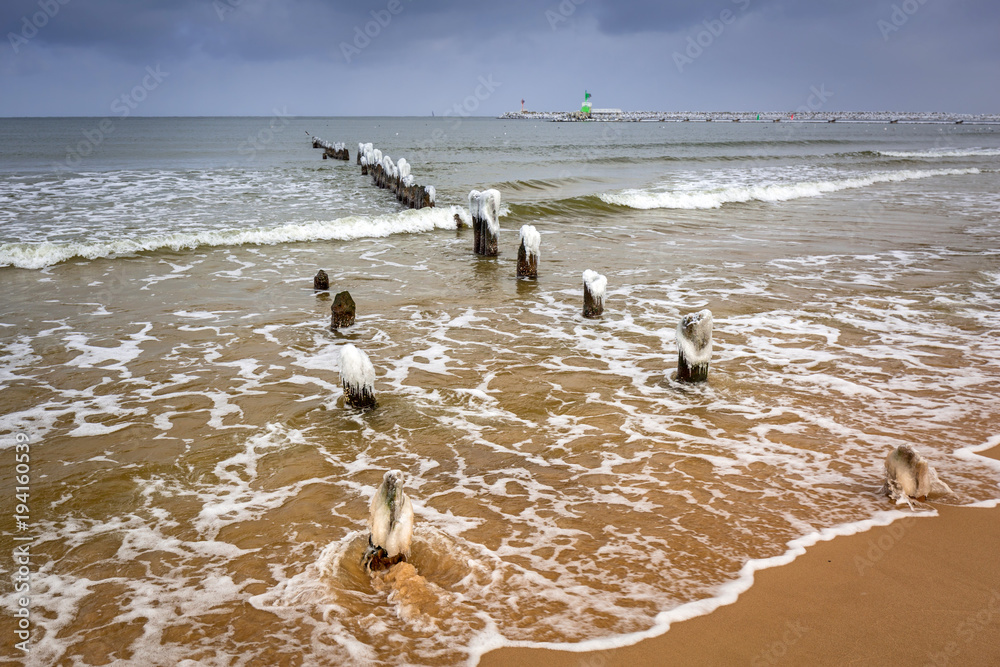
(596, 283)
(531, 239)
(490, 210)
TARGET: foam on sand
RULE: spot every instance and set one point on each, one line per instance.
(715, 198)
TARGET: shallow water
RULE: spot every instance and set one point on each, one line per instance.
(199, 489)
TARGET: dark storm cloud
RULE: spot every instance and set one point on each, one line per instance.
(747, 53)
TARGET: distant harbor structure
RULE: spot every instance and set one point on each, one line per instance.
(883, 117)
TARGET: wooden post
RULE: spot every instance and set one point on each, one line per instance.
(342, 311)
(527, 254)
(357, 377)
(485, 209)
(477, 221)
(321, 281)
(390, 524)
(694, 346)
(594, 287)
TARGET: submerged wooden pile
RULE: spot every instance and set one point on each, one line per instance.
(395, 177)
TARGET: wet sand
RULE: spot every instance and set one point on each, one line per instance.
(917, 592)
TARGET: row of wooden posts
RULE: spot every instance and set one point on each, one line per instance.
(337, 151)
(694, 331)
(394, 176)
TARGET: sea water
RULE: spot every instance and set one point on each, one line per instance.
(199, 489)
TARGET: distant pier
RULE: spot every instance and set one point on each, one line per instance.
(616, 115)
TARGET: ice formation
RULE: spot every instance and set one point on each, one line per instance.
(909, 475)
(694, 337)
(391, 516)
(489, 209)
(596, 285)
(475, 204)
(357, 376)
(531, 240)
(396, 176)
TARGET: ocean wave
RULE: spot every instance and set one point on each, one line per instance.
(945, 153)
(715, 198)
(41, 255)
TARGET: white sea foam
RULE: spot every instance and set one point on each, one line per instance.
(40, 255)
(727, 593)
(715, 198)
(942, 153)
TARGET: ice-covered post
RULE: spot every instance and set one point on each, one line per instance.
(527, 254)
(477, 221)
(485, 210)
(361, 149)
(390, 524)
(694, 346)
(594, 286)
(357, 377)
(321, 281)
(342, 311)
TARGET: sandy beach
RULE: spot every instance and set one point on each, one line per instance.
(917, 592)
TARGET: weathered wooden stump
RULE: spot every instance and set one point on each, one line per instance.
(321, 281)
(527, 254)
(694, 346)
(594, 287)
(357, 377)
(342, 311)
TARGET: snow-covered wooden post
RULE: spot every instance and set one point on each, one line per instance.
(361, 149)
(390, 524)
(694, 346)
(357, 377)
(594, 287)
(527, 254)
(321, 281)
(477, 221)
(485, 210)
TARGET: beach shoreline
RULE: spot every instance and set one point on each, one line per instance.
(923, 592)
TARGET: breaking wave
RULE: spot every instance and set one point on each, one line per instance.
(945, 153)
(41, 255)
(715, 198)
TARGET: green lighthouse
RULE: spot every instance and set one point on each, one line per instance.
(585, 107)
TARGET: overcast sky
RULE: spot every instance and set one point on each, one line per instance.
(412, 57)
